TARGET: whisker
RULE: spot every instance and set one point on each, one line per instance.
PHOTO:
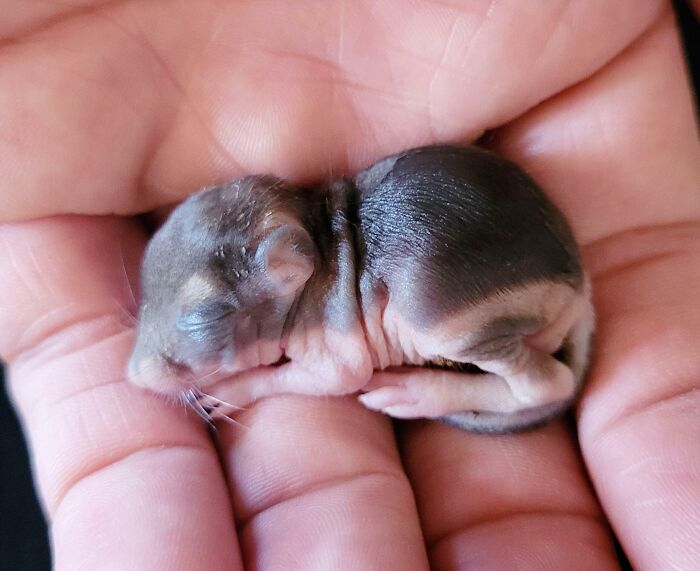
(218, 414)
(130, 318)
(169, 399)
(208, 375)
(126, 276)
(196, 380)
(193, 400)
(223, 402)
(221, 416)
(187, 396)
(199, 411)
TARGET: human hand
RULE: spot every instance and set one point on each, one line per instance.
(112, 109)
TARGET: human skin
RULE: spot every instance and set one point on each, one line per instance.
(109, 109)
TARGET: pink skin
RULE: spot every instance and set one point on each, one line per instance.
(327, 363)
(321, 361)
(142, 102)
(153, 373)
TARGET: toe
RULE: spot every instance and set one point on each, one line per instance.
(380, 399)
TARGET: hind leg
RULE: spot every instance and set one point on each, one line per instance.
(577, 345)
(525, 384)
(535, 379)
(427, 393)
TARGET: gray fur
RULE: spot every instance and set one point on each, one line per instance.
(448, 226)
(436, 228)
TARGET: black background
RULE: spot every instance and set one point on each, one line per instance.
(23, 536)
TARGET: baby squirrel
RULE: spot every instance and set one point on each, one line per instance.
(439, 282)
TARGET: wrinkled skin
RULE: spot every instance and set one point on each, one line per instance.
(436, 257)
(115, 108)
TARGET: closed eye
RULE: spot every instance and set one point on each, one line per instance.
(203, 316)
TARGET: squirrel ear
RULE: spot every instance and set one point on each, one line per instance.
(287, 258)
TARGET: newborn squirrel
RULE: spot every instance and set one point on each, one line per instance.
(439, 282)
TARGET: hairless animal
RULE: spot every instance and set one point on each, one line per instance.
(440, 282)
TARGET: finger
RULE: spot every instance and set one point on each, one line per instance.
(318, 484)
(20, 17)
(504, 502)
(126, 480)
(696, 6)
(605, 150)
(169, 97)
(621, 155)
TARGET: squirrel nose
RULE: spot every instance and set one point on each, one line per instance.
(152, 371)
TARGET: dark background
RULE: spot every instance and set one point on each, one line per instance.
(23, 535)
